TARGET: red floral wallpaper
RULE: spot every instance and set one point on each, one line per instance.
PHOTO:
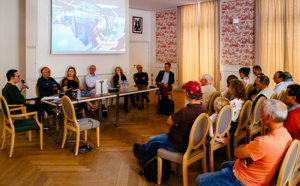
(166, 42)
(237, 43)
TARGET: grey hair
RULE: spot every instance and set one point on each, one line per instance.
(264, 79)
(276, 109)
(208, 78)
(288, 75)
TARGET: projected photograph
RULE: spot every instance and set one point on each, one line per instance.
(88, 26)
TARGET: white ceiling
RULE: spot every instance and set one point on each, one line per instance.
(153, 5)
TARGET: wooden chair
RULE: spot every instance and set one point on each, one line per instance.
(274, 96)
(249, 89)
(27, 124)
(256, 124)
(241, 130)
(196, 149)
(170, 92)
(222, 126)
(77, 125)
(281, 96)
(295, 178)
(286, 169)
(38, 95)
(228, 95)
(211, 109)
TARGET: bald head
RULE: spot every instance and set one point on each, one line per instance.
(92, 69)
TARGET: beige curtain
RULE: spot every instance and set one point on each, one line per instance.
(293, 38)
(209, 40)
(271, 43)
(189, 64)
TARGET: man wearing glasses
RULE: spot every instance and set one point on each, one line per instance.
(141, 78)
(90, 81)
(164, 80)
(47, 86)
(279, 78)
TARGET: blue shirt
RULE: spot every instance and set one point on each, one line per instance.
(45, 86)
(165, 79)
(91, 80)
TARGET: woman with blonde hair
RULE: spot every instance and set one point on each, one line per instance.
(118, 78)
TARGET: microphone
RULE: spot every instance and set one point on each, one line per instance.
(24, 83)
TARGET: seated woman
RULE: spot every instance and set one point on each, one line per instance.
(119, 76)
(71, 81)
(244, 74)
(227, 80)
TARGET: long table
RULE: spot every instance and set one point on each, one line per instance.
(99, 97)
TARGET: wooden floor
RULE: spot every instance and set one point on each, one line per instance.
(111, 164)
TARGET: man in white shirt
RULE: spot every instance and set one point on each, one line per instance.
(279, 78)
(90, 81)
(207, 89)
(262, 83)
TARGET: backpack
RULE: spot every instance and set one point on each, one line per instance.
(166, 106)
(150, 170)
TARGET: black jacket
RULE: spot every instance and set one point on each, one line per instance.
(160, 77)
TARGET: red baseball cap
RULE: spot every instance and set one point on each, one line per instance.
(192, 87)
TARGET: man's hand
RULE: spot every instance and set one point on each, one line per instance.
(30, 102)
(143, 78)
(159, 83)
(54, 85)
(55, 88)
(243, 163)
(166, 85)
(25, 85)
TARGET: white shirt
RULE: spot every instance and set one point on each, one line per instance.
(91, 80)
(287, 83)
(247, 81)
(268, 92)
(222, 93)
(237, 105)
(207, 91)
(213, 117)
(165, 79)
(280, 87)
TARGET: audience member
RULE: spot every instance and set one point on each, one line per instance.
(244, 74)
(262, 82)
(256, 71)
(181, 122)
(15, 96)
(227, 81)
(239, 94)
(279, 78)
(258, 161)
(118, 78)
(90, 81)
(47, 86)
(219, 103)
(164, 80)
(289, 79)
(207, 89)
(71, 81)
(141, 78)
(292, 99)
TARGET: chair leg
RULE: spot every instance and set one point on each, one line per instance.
(98, 136)
(234, 143)
(211, 160)
(41, 138)
(245, 140)
(85, 135)
(29, 135)
(228, 151)
(64, 137)
(50, 120)
(184, 174)
(77, 142)
(12, 144)
(204, 167)
(159, 170)
(4, 138)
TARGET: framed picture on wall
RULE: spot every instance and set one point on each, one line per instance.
(137, 25)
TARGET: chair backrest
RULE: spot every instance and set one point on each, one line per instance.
(37, 91)
(281, 96)
(199, 131)
(68, 108)
(211, 108)
(274, 96)
(257, 108)
(223, 121)
(244, 117)
(288, 163)
(5, 109)
(227, 95)
(249, 89)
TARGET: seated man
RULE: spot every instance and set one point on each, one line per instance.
(15, 96)
(207, 89)
(288, 79)
(279, 78)
(292, 99)
(257, 161)
(262, 82)
(47, 86)
(181, 122)
(141, 78)
(256, 71)
(90, 81)
(164, 80)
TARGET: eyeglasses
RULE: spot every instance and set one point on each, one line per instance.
(92, 68)
(140, 67)
(48, 71)
(18, 76)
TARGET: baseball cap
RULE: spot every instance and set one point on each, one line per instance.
(192, 87)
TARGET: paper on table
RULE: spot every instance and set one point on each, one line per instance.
(50, 97)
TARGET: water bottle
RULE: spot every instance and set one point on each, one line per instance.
(122, 84)
(78, 94)
(126, 84)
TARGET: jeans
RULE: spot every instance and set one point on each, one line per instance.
(149, 150)
(222, 177)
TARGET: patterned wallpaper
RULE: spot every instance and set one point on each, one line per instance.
(237, 44)
(166, 41)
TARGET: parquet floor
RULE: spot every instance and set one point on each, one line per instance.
(111, 164)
